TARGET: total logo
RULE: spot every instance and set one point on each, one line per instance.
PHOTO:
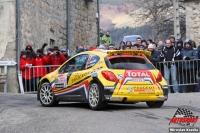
(137, 74)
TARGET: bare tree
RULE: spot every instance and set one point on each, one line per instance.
(159, 15)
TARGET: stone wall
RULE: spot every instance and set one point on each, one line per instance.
(8, 41)
(193, 20)
(42, 21)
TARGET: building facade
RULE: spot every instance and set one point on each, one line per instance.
(45, 21)
(193, 20)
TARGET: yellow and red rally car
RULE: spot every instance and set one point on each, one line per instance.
(99, 77)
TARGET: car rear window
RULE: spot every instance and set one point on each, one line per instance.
(128, 63)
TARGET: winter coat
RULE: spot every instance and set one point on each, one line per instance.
(40, 71)
(27, 73)
(155, 57)
(55, 60)
(107, 39)
(192, 54)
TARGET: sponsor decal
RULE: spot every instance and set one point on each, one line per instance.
(116, 98)
(130, 90)
(186, 118)
(109, 87)
(143, 87)
(137, 74)
(61, 81)
(120, 76)
(138, 79)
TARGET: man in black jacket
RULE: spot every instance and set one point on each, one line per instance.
(170, 53)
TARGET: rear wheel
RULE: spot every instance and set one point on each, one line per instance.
(95, 97)
(46, 95)
(156, 104)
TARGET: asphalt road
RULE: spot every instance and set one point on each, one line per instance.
(24, 114)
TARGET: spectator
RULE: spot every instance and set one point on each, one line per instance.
(111, 47)
(170, 53)
(139, 40)
(106, 46)
(129, 43)
(154, 45)
(134, 47)
(92, 48)
(65, 52)
(189, 67)
(179, 44)
(107, 38)
(145, 44)
(155, 56)
(30, 54)
(49, 51)
(101, 36)
(122, 45)
(128, 47)
(40, 61)
(141, 47)
(160, 43)
(56, 58)
(101, 47)
(194, 45)
(26, 75)
(97, 46)
(172, 39)
(149, 41)
(79, 50)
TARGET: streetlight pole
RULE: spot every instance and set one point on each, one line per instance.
(177, 33)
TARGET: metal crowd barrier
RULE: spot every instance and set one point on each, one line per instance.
(187, 71)
(34, 74)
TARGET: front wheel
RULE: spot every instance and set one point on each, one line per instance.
(46, 95)
(95, 97)
(156, 104)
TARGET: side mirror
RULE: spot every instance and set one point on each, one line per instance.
(61, 71)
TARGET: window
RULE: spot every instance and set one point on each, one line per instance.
(75, 64)
(129, 63)
(52, 42)
(93, 61)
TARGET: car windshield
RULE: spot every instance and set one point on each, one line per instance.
(128, 63)
(131, 38)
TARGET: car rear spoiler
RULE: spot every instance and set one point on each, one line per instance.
(124, 52)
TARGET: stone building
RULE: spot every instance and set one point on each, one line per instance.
(44, 21)
(193, 20)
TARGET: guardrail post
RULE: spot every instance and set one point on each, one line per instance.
(5, 72)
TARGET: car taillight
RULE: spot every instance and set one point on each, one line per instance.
(159, 77)
(109, 76)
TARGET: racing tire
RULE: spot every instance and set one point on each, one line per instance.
(46, 95)
(95, 97)
(156, 104)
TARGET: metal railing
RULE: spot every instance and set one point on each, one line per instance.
(33, 74)
(187, 71)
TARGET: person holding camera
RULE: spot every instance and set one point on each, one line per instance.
(40, 61)
(55, 58)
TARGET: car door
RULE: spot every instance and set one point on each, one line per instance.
(72, 73)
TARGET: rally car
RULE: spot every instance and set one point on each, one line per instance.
(101, 76)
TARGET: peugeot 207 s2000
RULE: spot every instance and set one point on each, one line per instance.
(100, 77)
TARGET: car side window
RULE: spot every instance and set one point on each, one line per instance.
(77, 63)
(93, 61)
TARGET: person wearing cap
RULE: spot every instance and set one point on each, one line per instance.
(155, 56)
(170, 53)
(106, 46)
(111, 47)
(26, 75)
(101, 47)
(189, 67)
(65, 52)
(134, 47)
(55, 58)
(40, 61)
(49, 51)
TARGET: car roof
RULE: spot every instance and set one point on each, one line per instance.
(105, 53)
